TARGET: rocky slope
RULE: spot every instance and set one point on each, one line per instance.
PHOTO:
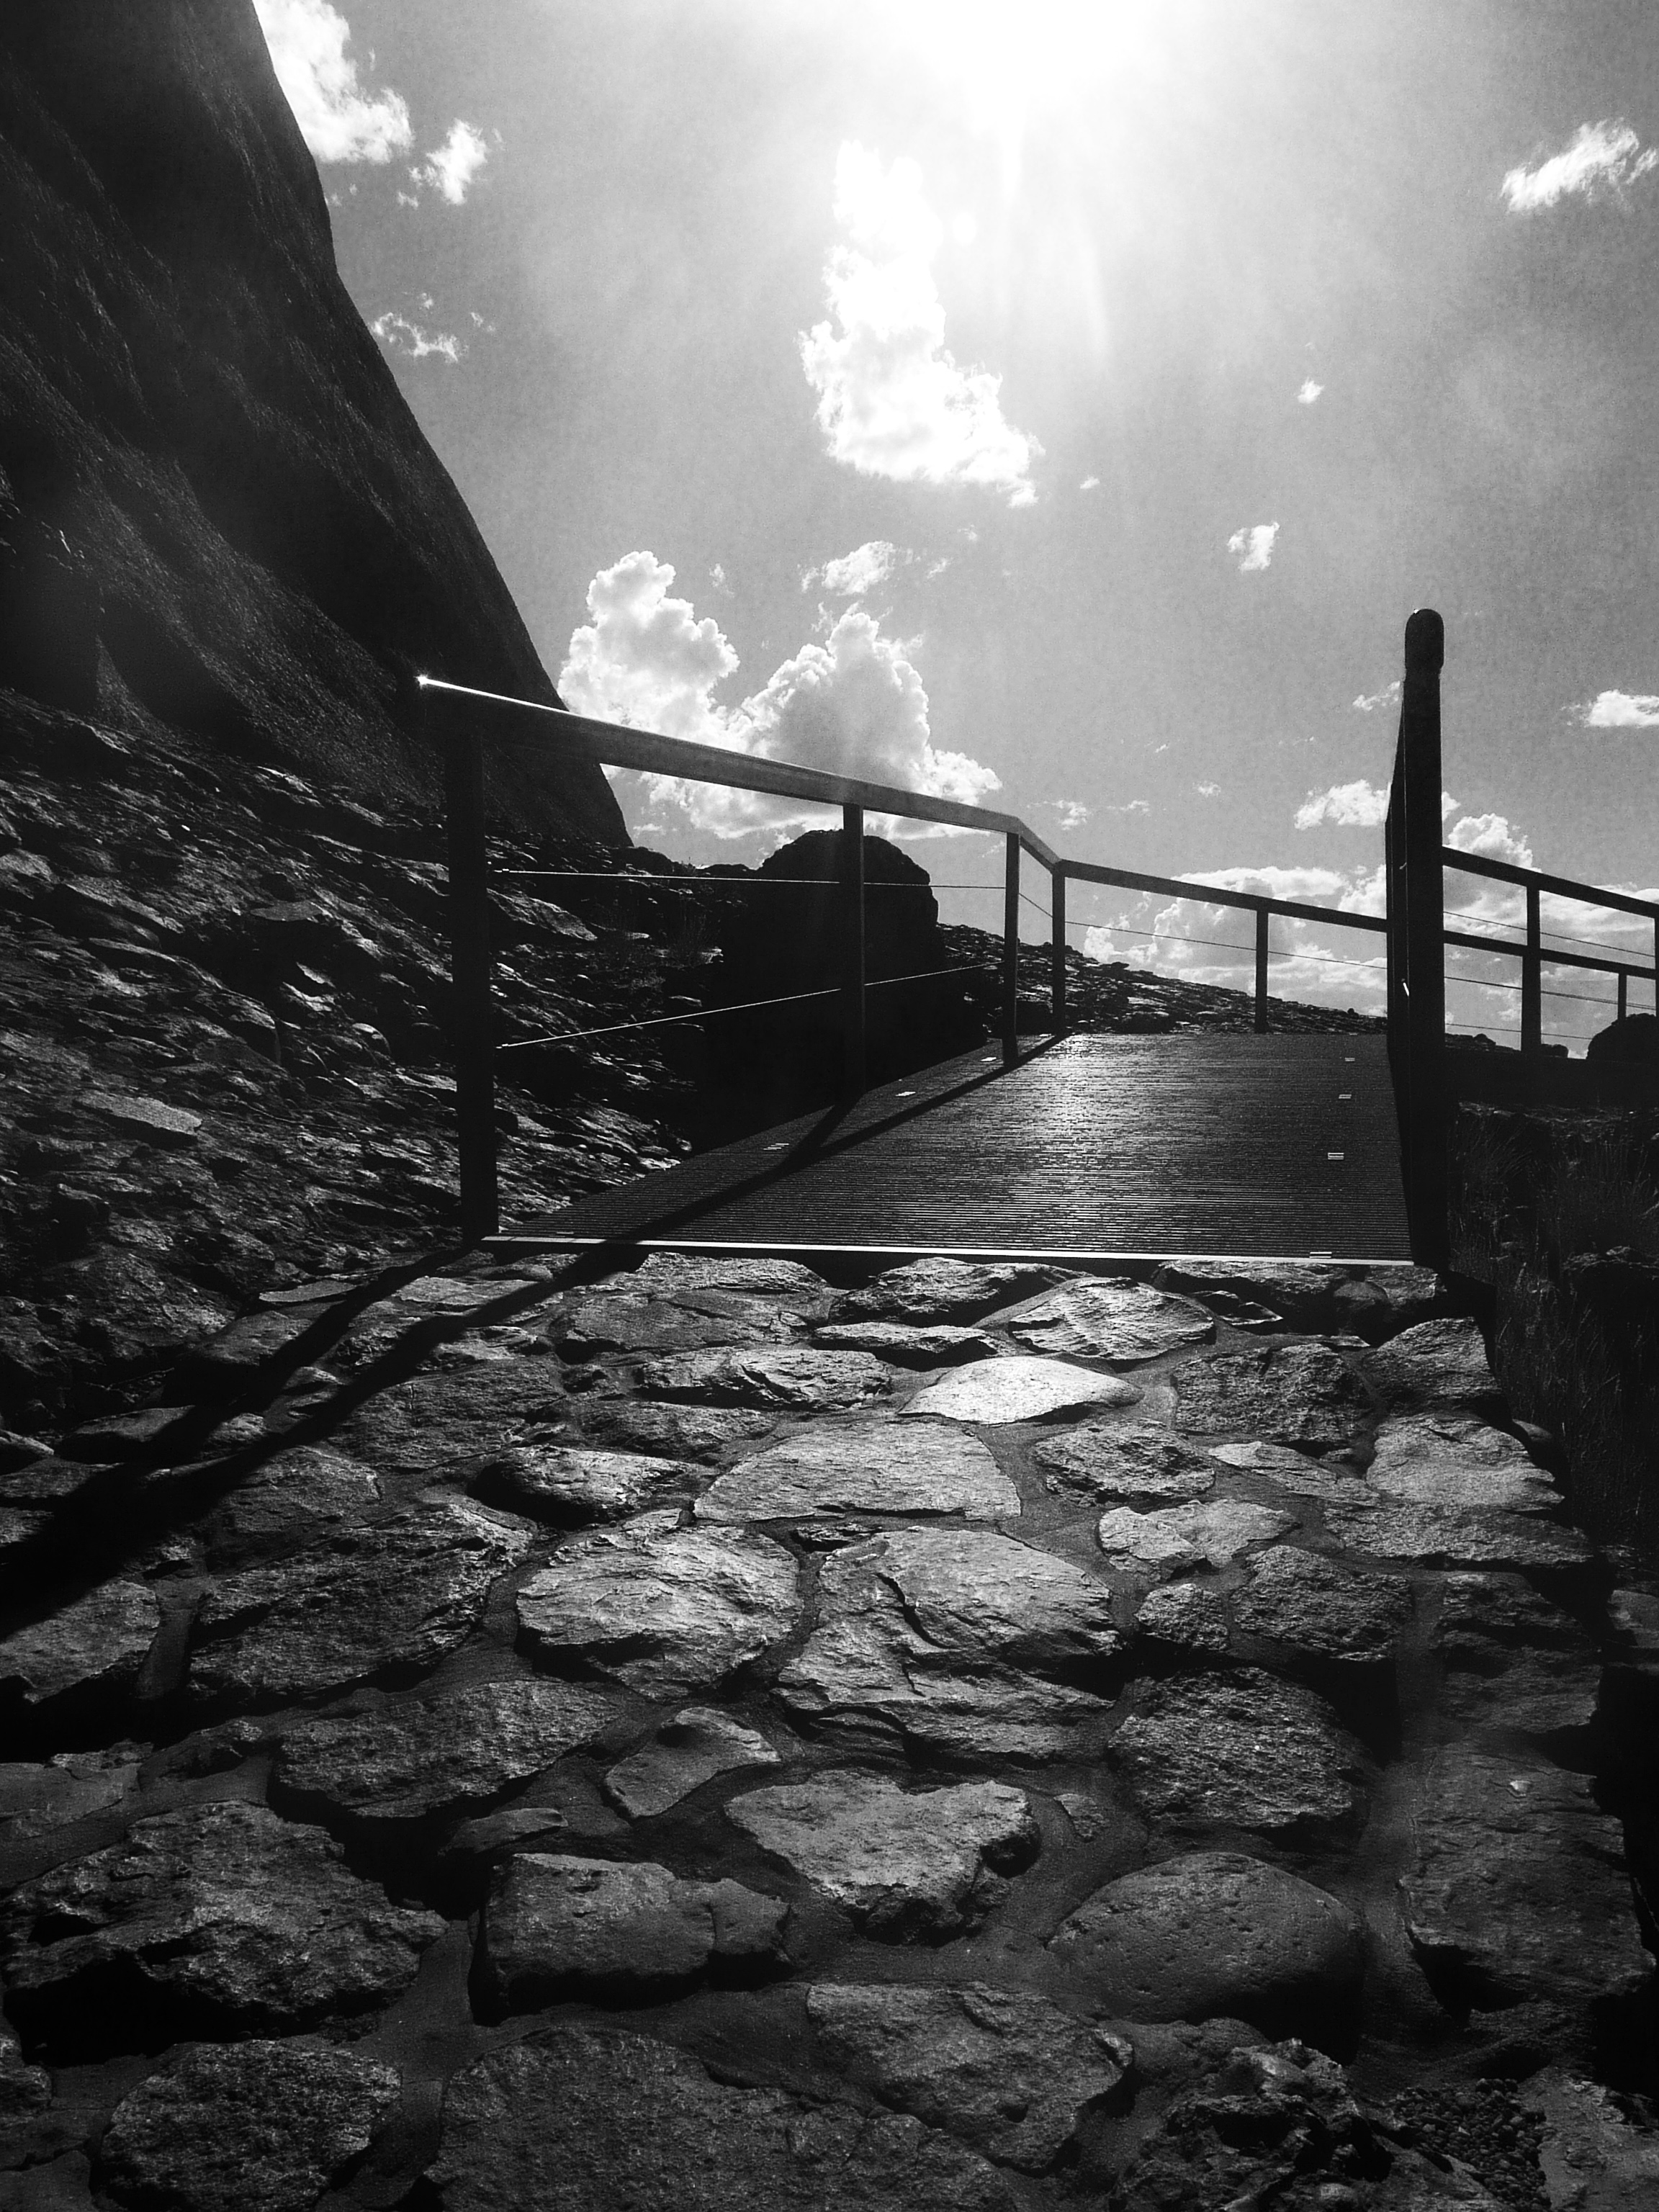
(710, 1737)
(218, 518)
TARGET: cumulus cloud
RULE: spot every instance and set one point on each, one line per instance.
(1308, 391)
(1358, 805)
(893, 401)
(1072, 813)
(1599, 162)
(339, 119)
(452, 167)
(1208, 790)
(1253, 545)
(1388, 697)
(399, 335)
(857, 571)
(1089, 483)
(851, 701)
(1491, 835)
(1621, 710)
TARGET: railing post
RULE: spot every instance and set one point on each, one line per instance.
(1623, 982)
(1532, 978)
(1011, 953)
(1419, 832)
(471, 1014)
(1057, 968)
(1262, 919)
(854, 1052)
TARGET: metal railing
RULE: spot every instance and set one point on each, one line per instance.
(460, 721)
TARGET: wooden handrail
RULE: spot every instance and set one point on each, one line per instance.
(1477, 864)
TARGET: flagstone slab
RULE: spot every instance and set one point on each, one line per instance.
(905, 1344)
(1318, 1610)
(868, 1467)
(908, 1864)
(1242, 1750)
(1437, 1363)
(623, 1321)
(1211, 1532)
(1290, 1393)
(1107, 1317)
(1428, 1536)
(1459, 1463)
(1512, 1659)
(92, 1646)
(1018, 1389)
(796, 1378)
(926, 1290)
(569, 1485)
(661, 1430)
(1186, 1616)
(1134, 1463)
(699, 1744)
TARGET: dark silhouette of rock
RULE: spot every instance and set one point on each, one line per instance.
(1632, 1042)
(217, 513)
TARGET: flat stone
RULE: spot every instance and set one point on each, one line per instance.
(1107, 1317)
(1135, 1461)
(144, 1120)
(595, 1326)
(1018, 1389)
(795, 1379)
(1185, 1615)
(1429, 1536)
(1216, 1933)
(495, 1836)
(904, 1344)
(1009, 2073)
(234, 1920)
(1458, 1461)
(257, 2127)
(926, 1290)
(704, 1433)
(870, 1466)
(1593, 2159)
(1288, 1393)
(950, 1638)
(230, 1362)
(664, 1610)
(297, 1489)
(1512, 1659)
(1294, 1470)
(1241, 1750)
(1311, 1295)
(907, 1865)
(1437, 1363)
(414, 1756)
(123, 1436)
(1320, 1611)
(395, 1595)
(1167, 1541)
(682, 1275)
(591, 2119)
(444, 1421)
(37, 1798)
(557, 1927)
(1518, 1887)
(93, 1646)
(570, 1486)
(694, 1747)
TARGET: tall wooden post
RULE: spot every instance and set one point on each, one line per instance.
(853, 1034)
(1057, 966)
(1261, 922)
(1532, 978)
(1624, 985)
(1419, 835)
(1011, 953)
(471, 1009)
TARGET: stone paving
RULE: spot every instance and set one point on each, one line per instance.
(707, 1736)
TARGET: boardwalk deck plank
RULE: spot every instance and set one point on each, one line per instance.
(1242, 1146)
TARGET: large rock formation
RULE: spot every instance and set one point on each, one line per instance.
(216, 511)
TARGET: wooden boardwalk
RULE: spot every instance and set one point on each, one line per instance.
(1089, 1147)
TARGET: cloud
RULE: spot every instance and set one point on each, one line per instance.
(1599, 162)
(892, 400)
(1208, 790)
(852, 703)
(1388, 697)
(717, 578)
(858, 571)
(1253, 546)
(339, 120)
(1621, 710)
(400, 335)
(1308, 391)
(1358, 805)
(1089, 483)
(1072, 812)
(452, 167)
(1491, 835)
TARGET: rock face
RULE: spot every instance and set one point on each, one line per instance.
(1216, 1933)
(953, 1638)
(868, 1468)
(260, 2127)
(694, 1747)
(1134, 1463)
(1242, 1750)
(1289, 1394)
(225, 518)
(928, 1291)
(996, 1391)
(903, 1343)
(795, 1379)
(693, 1321)
(1170, 1542)
(1010, 2074)
(1107, 1317)
(907, 1864)
(1512, 1659)
(1519, 1889)
(225, 1916)
(660, 1608)
(1318, 1611)
(583, 2119)
(95, 1645)
(398, 1595)
(559, 1927)
(419, 1755)
(1439, 1362)
(570, 1486)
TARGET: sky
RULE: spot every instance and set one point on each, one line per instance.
(1055, 405)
